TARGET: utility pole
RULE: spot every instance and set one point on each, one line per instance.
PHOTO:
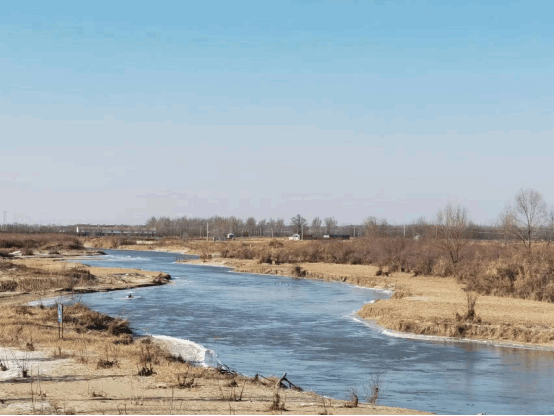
(302, 231)
(5, 214)
(207, 231)
(404, 230)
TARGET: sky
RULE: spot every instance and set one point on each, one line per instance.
(112, 112)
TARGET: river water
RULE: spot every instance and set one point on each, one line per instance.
(271, 325)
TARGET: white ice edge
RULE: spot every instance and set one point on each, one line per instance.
(397, 334)
(372, 325)
(437, 338)
(53, 301)
(188, 350)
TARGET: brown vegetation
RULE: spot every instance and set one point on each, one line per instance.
(41, 277)
(51, 242)
(17, 277)
(419, 271)
(488, 268)
(93, 370)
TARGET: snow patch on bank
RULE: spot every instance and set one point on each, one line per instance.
(53, 301)
(188, 350)
(34, 362)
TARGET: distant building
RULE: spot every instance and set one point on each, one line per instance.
(115, 230)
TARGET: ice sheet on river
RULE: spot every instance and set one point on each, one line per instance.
(189, 350)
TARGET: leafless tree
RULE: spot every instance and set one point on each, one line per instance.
(330, 225)
(376, 227)
(421, 228)
(298, 221)
(316, 226)
(550, 225)
(250, 226)
(279, 226)
(262, 226)
(271, 225)
(452, 230)
(527, 216)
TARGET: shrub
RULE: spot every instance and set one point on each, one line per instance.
(8, 285)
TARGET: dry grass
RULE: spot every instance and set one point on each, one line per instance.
(515, 286)
(429, 305)
(489, 268)
(48, 277)
(102, 368)
(97, 373)
(39, 241)
(17, 277)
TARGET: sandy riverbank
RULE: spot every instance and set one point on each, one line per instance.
(95, 368)
(420, 305)
(31, 278)
(424, 305)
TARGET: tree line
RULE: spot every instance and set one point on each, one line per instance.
(220, 227)
(526, 218)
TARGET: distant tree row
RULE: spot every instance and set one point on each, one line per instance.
(219, 227)
(527, 218)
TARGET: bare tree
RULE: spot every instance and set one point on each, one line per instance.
(279, 226)
(527, 216)
(251, 226)
(550, 225)
(452, 230)
(316, 226)
(375, 227)
(420, 228)
(298, 221)
(262, 225)
(271, 225)
(330, 225)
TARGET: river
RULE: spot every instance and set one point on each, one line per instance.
(271, 325)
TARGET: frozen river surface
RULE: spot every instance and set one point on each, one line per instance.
(272, 325)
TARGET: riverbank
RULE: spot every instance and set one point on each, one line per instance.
(95, 368)
(420, 305)
(32, 278)
(424, 305)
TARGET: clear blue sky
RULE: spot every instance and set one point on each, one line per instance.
(117, 111)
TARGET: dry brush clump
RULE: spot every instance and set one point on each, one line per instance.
(20, 278)
(515, 273)
(278, 403)
(39, 241)
(489, 268)
(85, 319)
